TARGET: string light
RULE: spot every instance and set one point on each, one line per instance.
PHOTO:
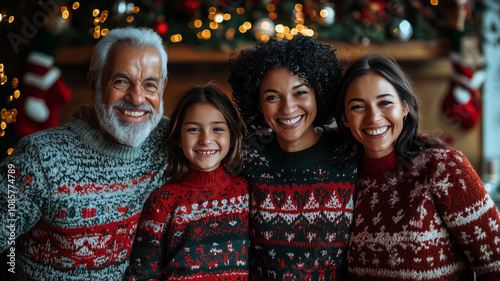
(8, 116)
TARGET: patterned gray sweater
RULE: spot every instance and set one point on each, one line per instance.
(71, 200)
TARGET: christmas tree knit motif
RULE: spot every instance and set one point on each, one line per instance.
(301, 208)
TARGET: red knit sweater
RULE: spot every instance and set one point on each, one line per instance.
(194, 230)
(430, 219)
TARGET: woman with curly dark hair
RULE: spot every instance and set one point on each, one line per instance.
(302, 172)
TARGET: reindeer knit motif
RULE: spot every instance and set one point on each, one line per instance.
(194, 230)
(301, 207)
(429, 219)
(78, 200)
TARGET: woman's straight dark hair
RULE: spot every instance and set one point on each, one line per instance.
(409, 141)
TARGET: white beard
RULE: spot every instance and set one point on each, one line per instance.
(126, 133)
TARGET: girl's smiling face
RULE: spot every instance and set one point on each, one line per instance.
(374, 113)
(205, 137)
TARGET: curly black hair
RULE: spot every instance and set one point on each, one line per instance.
(316, 63)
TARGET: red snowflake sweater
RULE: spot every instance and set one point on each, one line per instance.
(429, 219)
(194, 230)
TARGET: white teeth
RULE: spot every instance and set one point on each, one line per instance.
(207, 152)
(134, 113)
(377, 132)
(290, 122)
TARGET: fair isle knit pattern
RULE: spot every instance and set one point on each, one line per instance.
(196, 229)
(430, 219)
(78, 200)
(301, 208)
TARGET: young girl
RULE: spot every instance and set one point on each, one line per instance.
(196, 227)
(421, 212)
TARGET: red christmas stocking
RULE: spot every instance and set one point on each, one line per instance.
(43, 95)
(461, 104)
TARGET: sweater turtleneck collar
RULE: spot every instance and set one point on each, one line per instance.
(377, 166)
(204, 179)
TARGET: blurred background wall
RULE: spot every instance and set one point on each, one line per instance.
(449, 48)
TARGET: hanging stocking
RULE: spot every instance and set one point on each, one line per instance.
(461, 104)
(43, 94)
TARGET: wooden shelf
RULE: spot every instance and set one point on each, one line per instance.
(414, 50)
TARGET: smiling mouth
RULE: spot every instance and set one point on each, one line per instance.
(134, 113)
(289, 122)
(376, 132)
(206, 152)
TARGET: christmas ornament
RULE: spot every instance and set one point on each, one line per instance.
(327, 15)
(401, 29)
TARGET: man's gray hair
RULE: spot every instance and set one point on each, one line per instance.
(131, 36)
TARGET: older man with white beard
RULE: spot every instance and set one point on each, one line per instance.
(72, 196)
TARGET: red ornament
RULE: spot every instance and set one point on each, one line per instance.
(161, 28)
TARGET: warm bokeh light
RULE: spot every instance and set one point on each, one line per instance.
(65, 14)
(104, 31)
(95, 12)
(434, 2)
(130, 18)
(17, 93)
(279, 28)
(206, 34)
(76, 5)
(240, 11)
(230, 34)
(219, 18)
(198, 23)
(213, 25)
(10, 150)
(15, 83)
(270, 7)
(11, 19)
(176, 38)
(135, 10)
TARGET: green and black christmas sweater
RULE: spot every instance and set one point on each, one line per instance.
(301, 207)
